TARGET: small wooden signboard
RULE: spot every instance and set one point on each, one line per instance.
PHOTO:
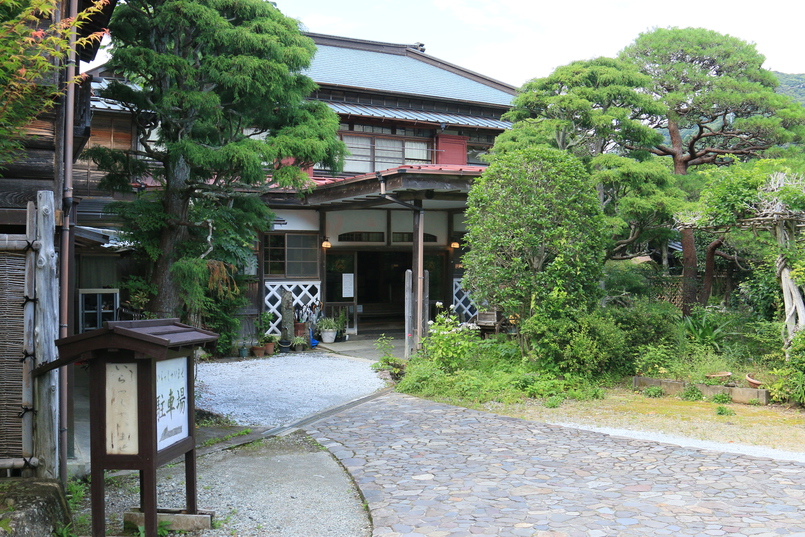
(142, 408)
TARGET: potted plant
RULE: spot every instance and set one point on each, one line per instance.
(342, 325)
(269, 342)
(298, 343)
(328, 327)
(243, 351)
(258, 350)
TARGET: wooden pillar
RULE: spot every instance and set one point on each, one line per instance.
(419, 272)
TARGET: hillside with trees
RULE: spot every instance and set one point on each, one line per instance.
(792, 86)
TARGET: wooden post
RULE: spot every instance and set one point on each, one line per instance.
(419, 271)
(47, 323)
(409, 309)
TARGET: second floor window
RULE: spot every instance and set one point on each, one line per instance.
(370, 153)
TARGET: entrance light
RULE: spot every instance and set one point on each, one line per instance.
(326, 243)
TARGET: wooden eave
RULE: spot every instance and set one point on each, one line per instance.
(156, 338)
(405, 185)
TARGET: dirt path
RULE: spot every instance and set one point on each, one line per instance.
(773, 426)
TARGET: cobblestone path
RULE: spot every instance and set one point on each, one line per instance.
(435, 470)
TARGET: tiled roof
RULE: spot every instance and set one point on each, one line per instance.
(398, 73)
(454, 120)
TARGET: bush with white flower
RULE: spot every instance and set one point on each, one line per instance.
(450, 344)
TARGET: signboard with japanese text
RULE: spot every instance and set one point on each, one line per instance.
(171, 404)
(122, 436)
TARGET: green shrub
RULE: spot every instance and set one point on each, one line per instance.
(554, 401)
(654, 360)
(754, 402)
(388, 362)
(707, 327)
(450, 345)
(580, 343)
(647, 320)
(721, 398)
(653, 391)
(691, 393)
(724, 411)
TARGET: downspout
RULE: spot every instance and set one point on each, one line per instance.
(64, 261)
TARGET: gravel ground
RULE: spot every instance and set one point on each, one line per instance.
(283, 389)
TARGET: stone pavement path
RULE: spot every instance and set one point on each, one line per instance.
(435, 470)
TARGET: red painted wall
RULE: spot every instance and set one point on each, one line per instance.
(451, 149)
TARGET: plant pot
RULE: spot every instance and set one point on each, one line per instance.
(752, 382)
(720, 375)
(243, 352)
(328, 336)
(285, 345)
(259, 351)
(269, 347)
(299, 329)
(299, 348)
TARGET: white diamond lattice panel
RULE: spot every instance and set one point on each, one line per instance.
(465, 307)
(303, 292)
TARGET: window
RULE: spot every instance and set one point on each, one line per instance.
(409, 237)
(372, 153)
(291, 255)
(362, 236)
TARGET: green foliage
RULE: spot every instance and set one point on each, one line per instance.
(754, 402)
(64, 531)
(220, 97)
(536, 232)
(76, 492)
(555, 401)
(654, 360)
(640, 199)
(718, 97)
(653, 392)
(163, 529)
(705, 326)
(724, 411)
(32, 53)
(261, 326)
(587, 107)
(721, 398)
(388, 362)
(449, 344)
(691, 393)
(327, 323)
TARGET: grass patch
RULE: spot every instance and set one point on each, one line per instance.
(213, 441)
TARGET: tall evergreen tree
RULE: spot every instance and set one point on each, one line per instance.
(219, 96)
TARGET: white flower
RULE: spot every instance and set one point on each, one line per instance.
(439, 305)
(430, 322)
(452, 307)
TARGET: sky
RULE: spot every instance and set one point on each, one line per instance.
(514, 41)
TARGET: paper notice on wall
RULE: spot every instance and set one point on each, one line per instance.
(348, 285)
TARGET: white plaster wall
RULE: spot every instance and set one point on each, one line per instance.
(458, 222)
(351, 221)
(375, 220)
(297, 220)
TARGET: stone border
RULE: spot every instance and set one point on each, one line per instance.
(672, 387)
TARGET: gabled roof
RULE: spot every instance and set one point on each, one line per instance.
(400, 69)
